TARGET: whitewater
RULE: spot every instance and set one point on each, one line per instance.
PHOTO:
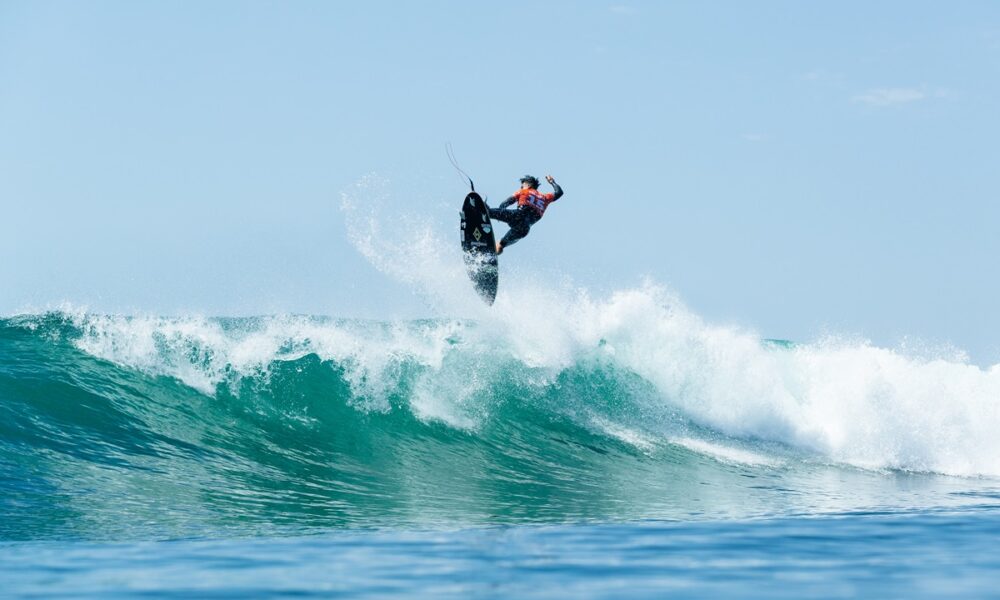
(559, 416)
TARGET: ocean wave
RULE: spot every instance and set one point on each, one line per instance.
(637, 361)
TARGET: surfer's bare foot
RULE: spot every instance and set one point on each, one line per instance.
(499, 248)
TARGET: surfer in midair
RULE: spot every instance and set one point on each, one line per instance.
(531, 205)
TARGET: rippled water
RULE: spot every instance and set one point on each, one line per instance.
(871, 555)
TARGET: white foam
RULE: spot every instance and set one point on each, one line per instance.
(867, 406)
(202, 353)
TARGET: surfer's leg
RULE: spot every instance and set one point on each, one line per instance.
(502, 214)
(512, 218)
(518, 229)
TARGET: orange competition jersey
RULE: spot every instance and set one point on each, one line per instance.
(534, 199)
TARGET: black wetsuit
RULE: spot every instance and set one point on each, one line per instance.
(520, 219)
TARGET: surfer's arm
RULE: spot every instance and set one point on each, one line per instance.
(555, 186)
(508, 202)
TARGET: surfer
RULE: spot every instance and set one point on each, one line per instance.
(531, 205)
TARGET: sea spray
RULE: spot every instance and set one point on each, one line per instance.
(844, 400)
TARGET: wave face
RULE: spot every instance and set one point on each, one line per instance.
(626, 408)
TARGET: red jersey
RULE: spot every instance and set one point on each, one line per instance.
(534, 199)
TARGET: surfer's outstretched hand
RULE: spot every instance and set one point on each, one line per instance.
(550, 179)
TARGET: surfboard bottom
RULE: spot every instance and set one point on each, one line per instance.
(479, 247)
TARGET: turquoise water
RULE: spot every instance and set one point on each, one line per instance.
(628, 449)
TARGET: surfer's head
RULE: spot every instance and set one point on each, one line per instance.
(530, 180)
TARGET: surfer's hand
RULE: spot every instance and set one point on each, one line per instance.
(550, 179)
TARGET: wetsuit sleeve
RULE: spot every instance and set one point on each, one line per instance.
(508, 202)
(558, 190)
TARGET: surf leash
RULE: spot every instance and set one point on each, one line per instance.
(454, 163)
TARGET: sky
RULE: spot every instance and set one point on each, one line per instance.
(797, 168)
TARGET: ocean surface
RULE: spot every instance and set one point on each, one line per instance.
(618, 447)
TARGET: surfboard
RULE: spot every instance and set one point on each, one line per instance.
(479, 247)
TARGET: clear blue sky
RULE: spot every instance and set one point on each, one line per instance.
(795, 167)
